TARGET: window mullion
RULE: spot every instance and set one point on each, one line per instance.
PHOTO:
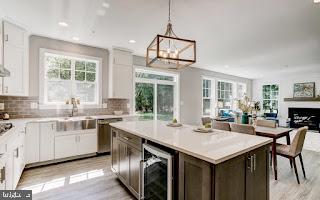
(73, 82)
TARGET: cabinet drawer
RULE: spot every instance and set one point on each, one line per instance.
(128, 138)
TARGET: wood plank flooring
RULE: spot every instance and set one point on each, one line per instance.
(92, 179)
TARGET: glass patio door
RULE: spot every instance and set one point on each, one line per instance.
(156, 96)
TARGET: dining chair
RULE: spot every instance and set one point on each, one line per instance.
(243, 128)
(225, 126)
(206, 120)
(266, 123)
(294, 150)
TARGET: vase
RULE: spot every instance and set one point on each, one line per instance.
(245, 118)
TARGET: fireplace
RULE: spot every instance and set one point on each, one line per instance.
(305, 117)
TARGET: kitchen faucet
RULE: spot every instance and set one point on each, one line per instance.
(74, 106)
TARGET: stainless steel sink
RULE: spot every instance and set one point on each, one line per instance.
(76, 123)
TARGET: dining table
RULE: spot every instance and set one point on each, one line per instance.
(274, 133)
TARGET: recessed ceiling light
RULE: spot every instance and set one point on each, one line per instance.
(132, 41)
(63, 24)
(105, 5)
(316, 1)
(76, 38)
(227, 66)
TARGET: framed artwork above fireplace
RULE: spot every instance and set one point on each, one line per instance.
(304, 90)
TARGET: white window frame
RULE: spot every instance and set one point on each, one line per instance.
(43, 104)
(155, 82)
(212, 96)
(234, 91)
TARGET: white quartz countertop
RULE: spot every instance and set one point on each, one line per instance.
(49, 119)
(215, 147)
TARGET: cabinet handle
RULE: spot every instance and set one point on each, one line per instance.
(254, 162)
(17, 152)
(6, 37)
(250, 167)
(6, 89)
(3, 174)
(141, 183)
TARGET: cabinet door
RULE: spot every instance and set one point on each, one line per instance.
(230, 176)
(195, 177)
(134, 169)
(87, 143)
(123, 162)
(14, 59)
(14, 62)
(257, 176)
(32, 143)
(16, 166)
(9, 171)
(114, 151)
(47, 131)
(122, 81)
(14, 35)
(65, 146)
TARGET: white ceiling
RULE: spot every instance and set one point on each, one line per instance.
(253, 38)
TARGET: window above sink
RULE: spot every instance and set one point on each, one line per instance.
(64, 76)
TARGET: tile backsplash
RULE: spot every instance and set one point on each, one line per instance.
(20, 107)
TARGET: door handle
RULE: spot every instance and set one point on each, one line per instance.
(3, 174)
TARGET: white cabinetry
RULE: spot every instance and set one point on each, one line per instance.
(75, 143)
(14, 52)
(40, 142)
(65, 146)
(47, 131)
(87, 143)
(32, 143)
(121, 68)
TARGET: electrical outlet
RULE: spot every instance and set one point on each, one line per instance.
(104, 105)
(34, 105)
(1, 106)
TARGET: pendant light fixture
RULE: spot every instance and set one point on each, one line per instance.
(169, 51)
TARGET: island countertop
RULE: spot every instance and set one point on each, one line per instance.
(215, 147)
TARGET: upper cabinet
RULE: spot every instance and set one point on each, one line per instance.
(14, 53)
(121, 74)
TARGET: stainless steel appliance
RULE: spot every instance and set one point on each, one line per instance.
(104, 134)
(156, 174)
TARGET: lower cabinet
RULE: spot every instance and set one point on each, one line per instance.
(126, 157)
(65, 146)
(243, 177)
(87, 143)
(74, 145)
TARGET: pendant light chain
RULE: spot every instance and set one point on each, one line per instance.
(169, 11)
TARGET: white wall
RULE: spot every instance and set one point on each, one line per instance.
(286, 91)
(191, 92)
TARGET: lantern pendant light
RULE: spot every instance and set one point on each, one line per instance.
(169, 51)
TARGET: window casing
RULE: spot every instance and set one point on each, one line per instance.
(270, 94)
(64, 76)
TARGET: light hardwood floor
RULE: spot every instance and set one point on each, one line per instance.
(92, 179)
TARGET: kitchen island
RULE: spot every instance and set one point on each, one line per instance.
(219, 165)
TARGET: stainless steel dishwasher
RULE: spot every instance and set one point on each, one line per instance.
(104, 134)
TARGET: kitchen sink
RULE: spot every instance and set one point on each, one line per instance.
(76, 123)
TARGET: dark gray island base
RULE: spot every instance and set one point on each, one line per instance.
(245, 176)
